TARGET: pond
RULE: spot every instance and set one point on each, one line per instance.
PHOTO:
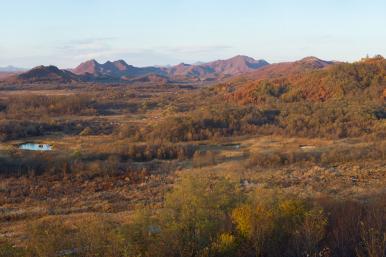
(35, 147)
(307, 147)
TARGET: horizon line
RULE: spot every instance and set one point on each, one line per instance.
(197, 63)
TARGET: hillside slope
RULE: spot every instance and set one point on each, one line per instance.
(319, 82)
(45, 74)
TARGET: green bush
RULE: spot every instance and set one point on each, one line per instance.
(8, 250)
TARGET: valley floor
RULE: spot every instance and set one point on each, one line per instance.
(70, 196)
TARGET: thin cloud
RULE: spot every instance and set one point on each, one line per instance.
(85, 47)
(196, 49)
(103, 49)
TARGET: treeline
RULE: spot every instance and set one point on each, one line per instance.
(111, 161)
(213, 122)
(20, 129)
(205, 215)
(165, 151)
(328, 156)
(11, 129)
(333, 119)
(27, 106)
(27, 115)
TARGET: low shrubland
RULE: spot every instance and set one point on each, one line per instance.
(207, 215)
(328, 156)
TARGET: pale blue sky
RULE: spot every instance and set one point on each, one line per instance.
(160, 32)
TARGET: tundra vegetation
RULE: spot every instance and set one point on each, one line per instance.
(284, 166)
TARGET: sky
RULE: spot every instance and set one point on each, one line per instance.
(168, 32)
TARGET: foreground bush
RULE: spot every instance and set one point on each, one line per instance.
(280, 228)
(205, 215)
(8, 250)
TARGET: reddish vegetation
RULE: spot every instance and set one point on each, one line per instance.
(309, 78)
(311, 130)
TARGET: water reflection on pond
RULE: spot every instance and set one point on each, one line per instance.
(35, 147)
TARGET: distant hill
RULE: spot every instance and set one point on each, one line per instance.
(236, 65)
(277, 70)
(185, 71)
(218, 69)
(45, 74)
(151, 78)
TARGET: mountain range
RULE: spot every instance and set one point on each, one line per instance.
(113, 70)
(120, 71)
(202, 71)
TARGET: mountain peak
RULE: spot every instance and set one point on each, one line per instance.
(121, 65)
(314, 62)
(92, 61)
(42, 68)
(310, 58)
(237, 65)
(182, 64)
(120, 61)
(243, 57)
(90, 66)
